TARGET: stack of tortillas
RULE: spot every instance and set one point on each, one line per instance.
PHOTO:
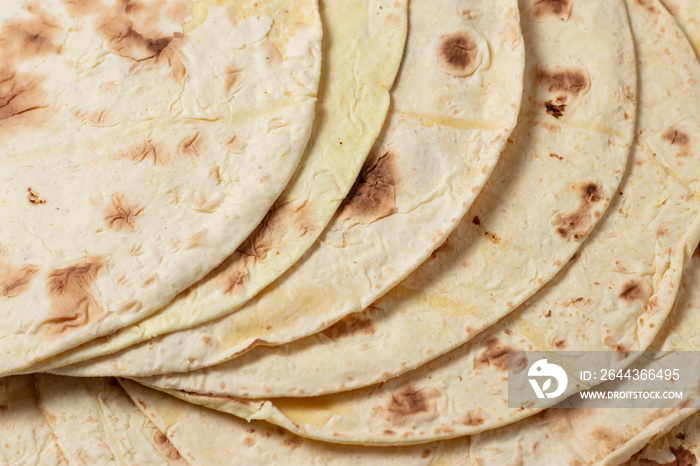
(309, 231)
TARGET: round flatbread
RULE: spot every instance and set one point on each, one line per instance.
(365, 43)
(423, 174)
(509, 244)
(26, 436)
(94, 422)
(141, 144)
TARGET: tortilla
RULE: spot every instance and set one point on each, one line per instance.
(602, 436)
(423, 174)
(95, 422)
(129, 169)
(26, 437)
(365, 43)
(687, 15)
(210, 437)
(614, 296)
(680, 446)
(506, 247)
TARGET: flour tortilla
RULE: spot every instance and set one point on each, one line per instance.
(681, 446)
(614, 296)
(505, 248)
(365, 43)
(210, 437)
(422, 176)
(687, 15)
(26, 437)
(602, 436)
(152, 151)
(95, 422)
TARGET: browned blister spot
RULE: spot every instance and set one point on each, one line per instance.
(676, 137)
(192, 145)
(15, 280)
(24, 39)
(576, 224)
(73, 305)
(373, 196)
(557, 111)
(407, 402)
(458, 54)
(284, 217)
(560, 344)
(563, 83)
(351, 325)
(233, 78)
(473, 419)
(130, 34)
(293, 442)
(559, 9)
(121, 216)
(165, 447)
(648, 5)
(679, 140)
(234, 280)
(144, 151)
(495, 354)
(22, 99)
(34, 198)
(632, 290)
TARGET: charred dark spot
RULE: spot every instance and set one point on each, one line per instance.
(560, 344)
(575, 224)
(33, 198)
(680, 436)
(676, 137)
(563, 83)
(457, 54)
(495, 354)
(476, 221)
(633, 290)
(192, 145)
(373, 196)
(283, 216)
(473, 419)
(560, 9)
(351, 325)
(15, 280)
(557, 111)
(684, 457)
(491, 237)
(70, 292)
(165, 447)
(556, 156)
(120, 215)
